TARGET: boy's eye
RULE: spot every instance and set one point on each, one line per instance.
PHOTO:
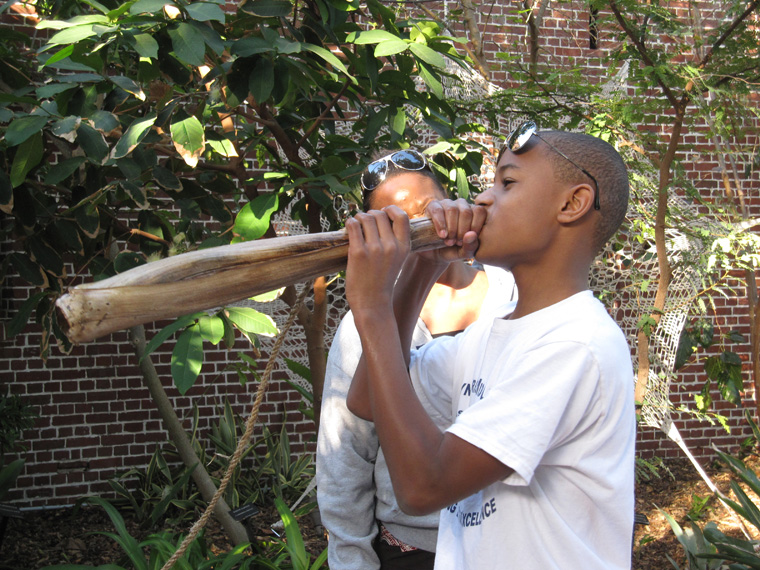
(507, 181)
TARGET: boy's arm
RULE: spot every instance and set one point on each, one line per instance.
(429, 469)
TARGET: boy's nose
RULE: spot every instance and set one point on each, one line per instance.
(484, 198)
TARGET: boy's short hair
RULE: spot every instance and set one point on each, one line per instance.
(395, 171)
(603, 161)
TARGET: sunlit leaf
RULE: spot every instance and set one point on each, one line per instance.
(72, 35)
(188, 138)
(251, 321)
(384, 49)
(371, 37)
(427, 55)
(129, 86)
(252, 221)
(211, 328)
(133, 135)
(148, 6)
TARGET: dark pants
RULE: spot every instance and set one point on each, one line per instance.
(393, 558)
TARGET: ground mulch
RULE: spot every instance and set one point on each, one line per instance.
(62, 536)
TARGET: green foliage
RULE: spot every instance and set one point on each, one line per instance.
(159, 494)
(724, 369)
(16, 415)
(141, 129)
(709, 548)
(294, 544)
(160, 547)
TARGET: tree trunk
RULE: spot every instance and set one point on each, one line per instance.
(235, 530)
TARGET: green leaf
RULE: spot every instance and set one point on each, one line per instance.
(398, 121)
(166, 178)
(187, 359)
(168, 331)
(45, 256)
(188, 138)
(146, 46)
(188, 44)
(205, 12)
(23, 128)
(372, 37)
(28, 155)
(92, 142)
(261, 80)
(88, 219)
(252, 221)
(222, 146)
(64, 169)
(136, 192)
(28, 270)
(432, 80)
(133, 135)
(129, 86)
(103, 121)
(268, 8)
(329, 57)
(251, 45)
(211, 328)
(149, 6)
(427, 55)
(72, 35)
(391, 47)
(127, 260)
(66, 128)
(251, 321)
(19, 320)
(294, 540)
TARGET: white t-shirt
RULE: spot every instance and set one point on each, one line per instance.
(551, 396)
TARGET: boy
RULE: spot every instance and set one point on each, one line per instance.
(536, 472)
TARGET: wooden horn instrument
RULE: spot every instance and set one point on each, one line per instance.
(208, 278)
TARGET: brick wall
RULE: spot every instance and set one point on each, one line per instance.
(96, 417)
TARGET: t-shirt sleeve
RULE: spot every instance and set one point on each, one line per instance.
(431, 369)
(531, 408)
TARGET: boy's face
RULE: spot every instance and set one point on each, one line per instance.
(522, 208)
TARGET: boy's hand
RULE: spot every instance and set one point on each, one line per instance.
(458, 223)
(378, 245)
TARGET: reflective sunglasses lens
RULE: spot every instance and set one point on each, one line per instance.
(521, 135)
(408, 160)
(374, 174)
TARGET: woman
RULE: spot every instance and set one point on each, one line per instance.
(367, 530)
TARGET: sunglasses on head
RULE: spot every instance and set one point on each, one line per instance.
(376, 171)
(520, 137)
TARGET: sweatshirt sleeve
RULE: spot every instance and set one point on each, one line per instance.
(347, 447)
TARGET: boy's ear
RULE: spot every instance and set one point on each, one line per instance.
(579, 199)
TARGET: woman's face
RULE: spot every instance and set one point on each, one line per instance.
(410, 191)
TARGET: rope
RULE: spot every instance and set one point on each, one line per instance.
(243, 441)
